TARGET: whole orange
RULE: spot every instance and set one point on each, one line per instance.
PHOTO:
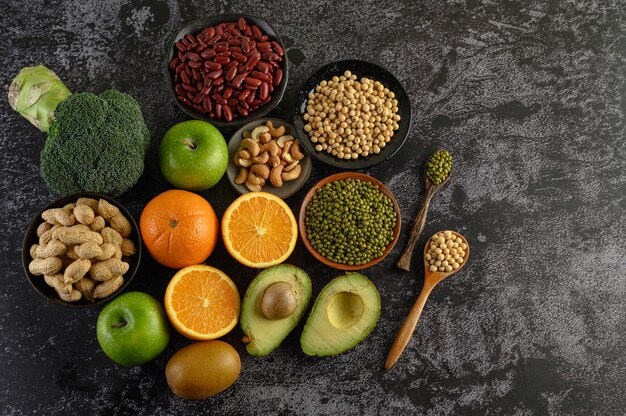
(179, 228)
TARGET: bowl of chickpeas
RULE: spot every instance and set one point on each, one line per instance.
(352, 114)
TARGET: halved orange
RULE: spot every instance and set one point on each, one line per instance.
(259, 230)
(202, 303)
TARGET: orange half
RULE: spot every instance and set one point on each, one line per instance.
(202, 303)
(259, 230)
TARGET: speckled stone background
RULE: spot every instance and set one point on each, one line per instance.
(529, 98)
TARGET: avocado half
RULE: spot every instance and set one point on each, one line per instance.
(345, 312)
(263, 335)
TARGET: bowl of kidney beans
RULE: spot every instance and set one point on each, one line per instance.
(227, 69)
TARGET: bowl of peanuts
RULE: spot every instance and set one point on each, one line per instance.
(81, 250)
(352, 114)
(226, 69)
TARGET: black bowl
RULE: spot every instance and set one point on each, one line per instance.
(39, 283)
(197, 26)
(360, 69)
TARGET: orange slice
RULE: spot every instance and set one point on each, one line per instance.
(259, 230)
(202, 303)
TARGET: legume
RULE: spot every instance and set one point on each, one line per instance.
(446, 252)
(349, 118)
(350, 221)
(439, 167)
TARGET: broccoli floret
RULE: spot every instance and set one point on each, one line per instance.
(95, 144)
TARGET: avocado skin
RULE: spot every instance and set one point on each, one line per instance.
(265, 335)
(331, 342)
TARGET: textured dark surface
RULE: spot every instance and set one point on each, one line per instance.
(529, 98)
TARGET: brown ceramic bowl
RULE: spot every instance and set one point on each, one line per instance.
(337, 177)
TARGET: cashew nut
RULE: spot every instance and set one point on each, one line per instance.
(261, 169)
(251, 146)
(265, 137)
(291, 166)
(247, 135)
(275, 176)
(257, 132)
(274, 161)
(292, 174)
(262, 158)
(242, 177)
(254, 182)
(282, 140)
(275, 131)
(295, 151)
(272, 148)
(244, 154)
(244, 163)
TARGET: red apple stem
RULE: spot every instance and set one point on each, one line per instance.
(119, 325)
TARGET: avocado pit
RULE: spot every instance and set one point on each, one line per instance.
(278, 301)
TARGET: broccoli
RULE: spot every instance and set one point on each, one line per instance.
(95, 144)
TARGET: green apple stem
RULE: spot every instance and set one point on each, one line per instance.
(191, 145)
(119, 325)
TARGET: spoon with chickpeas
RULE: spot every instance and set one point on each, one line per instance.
(437, 173)
(445, 254)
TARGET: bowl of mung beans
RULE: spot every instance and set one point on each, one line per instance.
(352, 114)
(349, 221)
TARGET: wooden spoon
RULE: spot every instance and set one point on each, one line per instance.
(430, 281)
(404, 262)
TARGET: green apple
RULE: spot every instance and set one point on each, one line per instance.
(133, 329)
(193, 155)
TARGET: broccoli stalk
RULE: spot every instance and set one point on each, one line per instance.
(95, 143)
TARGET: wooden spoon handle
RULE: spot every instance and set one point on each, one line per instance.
(404, 335)
(404, 262)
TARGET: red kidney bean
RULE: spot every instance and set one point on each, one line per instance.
(256, 30)
(251, 97)
(243, 95)
(192, 56)
(207, 104)
(228, 113)
(260, 75)
(248, 30)
(218, 88)
(241, 23)
(264, 92)
(234, 41)
(264, 47)
(252, 61)
(245, 46)
(242, 111)
(196, 74)
(205, 90)
(213, 40)
(194, 64)
(218, 110)
(174, 63)
(218, 98)
(180, 46)
(220, 47)
(215, 74)
(239, 57)
(207, 54)
(224, 53)
(232, 71)
(189, 88)
(278, 76)
(228, 91)
(232, 101)
(179, 89)
(213, 66)
(233, 31)
(252, 81)
(222, 60)
(270, 56)
(198, 108)
(218, 81)
(189, 38)
(198, 99)
(185, 78)
(236, 49)
(277, 48)
(238, 80)
(201, 48)
(262, 66)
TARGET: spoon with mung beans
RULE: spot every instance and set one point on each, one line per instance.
(436, 175)
(434, 273)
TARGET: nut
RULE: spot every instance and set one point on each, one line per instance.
(264, 138)
(86, 287)
(275, 176)
(243, 175)
(275, 131)
(88, 250)
(108, 288)
(291, 166)
(261, 158)
(108, 269)
(108, 251)
(97, 224)
(84, 214)
(120, 224)
(261, 170)
(43, 227)
(54, 248)
(282, 140)
(295, 151)
(106, 209)
(78, 235)
(90, 202)
(111, 236)
(291, 175)
(58, 216)
(49, 266)
(75, 271)
(272, 148)
(128, 247)
(256, 132)
(251, 146)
